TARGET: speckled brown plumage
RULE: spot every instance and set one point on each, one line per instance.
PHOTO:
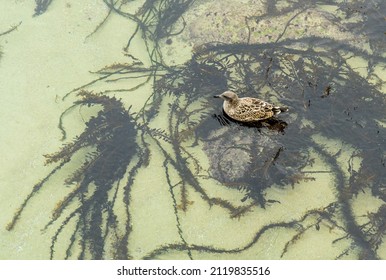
(248, 109)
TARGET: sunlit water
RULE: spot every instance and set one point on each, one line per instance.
(313, 190)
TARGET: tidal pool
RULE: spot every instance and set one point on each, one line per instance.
(114, 148)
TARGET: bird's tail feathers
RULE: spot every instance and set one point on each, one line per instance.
(277, 110)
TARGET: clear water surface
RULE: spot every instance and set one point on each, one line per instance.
(114, 148)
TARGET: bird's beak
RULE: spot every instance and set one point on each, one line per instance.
(217, 96)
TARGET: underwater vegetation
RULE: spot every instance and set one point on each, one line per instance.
(110, 143)
(8, 31)
(322, 91)
(328, 100)
(12, 28)
(41, 6)
(155, 19)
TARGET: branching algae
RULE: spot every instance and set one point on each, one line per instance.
(110, 142)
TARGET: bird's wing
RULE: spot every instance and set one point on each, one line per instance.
(253, 109)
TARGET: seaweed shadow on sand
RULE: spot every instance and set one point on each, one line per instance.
(327, 100)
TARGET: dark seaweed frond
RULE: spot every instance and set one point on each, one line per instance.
(12, 28)
(375, 229)
(109, 140)
(41, 6)
(155, 20)
(313, 217)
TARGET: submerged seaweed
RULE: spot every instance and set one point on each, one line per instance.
(329, 102)
(110, 143)
(41, 6)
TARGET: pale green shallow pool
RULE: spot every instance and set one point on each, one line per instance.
(310, 186)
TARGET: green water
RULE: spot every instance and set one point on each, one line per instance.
(326, 206)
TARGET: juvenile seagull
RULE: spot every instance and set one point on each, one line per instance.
(248, 109)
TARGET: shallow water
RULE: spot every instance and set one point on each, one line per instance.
(312, 189)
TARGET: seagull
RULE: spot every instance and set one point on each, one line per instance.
(248, 109)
